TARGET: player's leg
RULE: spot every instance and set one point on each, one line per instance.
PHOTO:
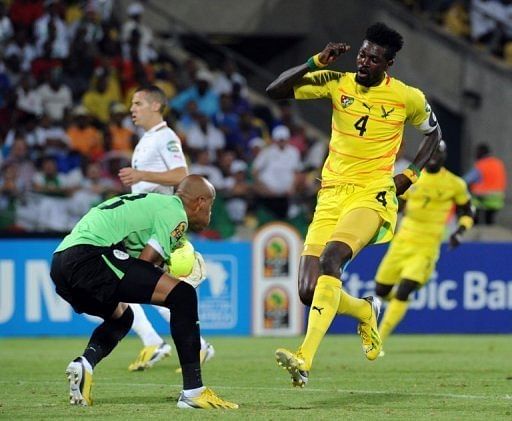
(101, 343)
(397, 307)
(144, 283)
(326, 215)
(416, 268)
(155, 348)
(351, 234)
(181, 265)
(90, 292)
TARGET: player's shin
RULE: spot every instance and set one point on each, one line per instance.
(106, 336)
(323, 310)
(394, 314)
(352, 306)
(182, 301)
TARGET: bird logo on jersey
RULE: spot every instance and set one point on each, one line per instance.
(385, 112)
(346, 101)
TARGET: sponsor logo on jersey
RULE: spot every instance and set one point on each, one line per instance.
(346, 101)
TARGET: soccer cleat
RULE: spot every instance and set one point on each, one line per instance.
(206, 400)
(80, 383)
(205, 355)
(294, 363)
(382, 353)
(368, 331)
(149, 356)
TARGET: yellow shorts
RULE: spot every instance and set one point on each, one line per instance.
(332, 222)
(404, 260)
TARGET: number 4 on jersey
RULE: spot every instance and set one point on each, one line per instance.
(361, 124)
(381, 198)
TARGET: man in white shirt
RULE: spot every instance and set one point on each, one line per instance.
(274, 171)
(158, 164)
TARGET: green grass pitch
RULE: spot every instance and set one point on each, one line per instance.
(421, 377)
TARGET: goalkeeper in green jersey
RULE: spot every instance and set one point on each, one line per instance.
(93, 272)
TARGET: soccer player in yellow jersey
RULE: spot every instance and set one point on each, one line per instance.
(357, 202)
(414, 251)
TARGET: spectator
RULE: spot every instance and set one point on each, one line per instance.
(20, 47)
(24, 13)
(487, 182)
(6, 29)
(84, 137)
(56, 98)
(223, 83)
(98, 98)
(10, 194)
(274, 172)
(51, 27)
(144, 34)
(203, 135)
(202, 165)
(28, 98)
(120, 138)
(237, 192)
(207, 100)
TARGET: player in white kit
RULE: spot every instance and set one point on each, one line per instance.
(158, 164)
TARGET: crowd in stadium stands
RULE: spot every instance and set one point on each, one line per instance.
(485, 23)
(67, 75)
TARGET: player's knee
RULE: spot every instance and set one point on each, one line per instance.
(306, 293)
(405, 288)
(182, 299)
(382, 290)
(334, 257)
(309, 268)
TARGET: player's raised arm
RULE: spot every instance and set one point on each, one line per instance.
(282, 87)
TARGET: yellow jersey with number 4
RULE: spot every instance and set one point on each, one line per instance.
(429, 202)
(367, 124)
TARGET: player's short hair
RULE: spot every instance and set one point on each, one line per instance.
(386, 37)
(155, 94)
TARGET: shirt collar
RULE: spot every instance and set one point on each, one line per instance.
(159, 126)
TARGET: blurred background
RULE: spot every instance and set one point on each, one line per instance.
(68, 70)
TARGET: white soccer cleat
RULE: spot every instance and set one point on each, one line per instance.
(80, 383)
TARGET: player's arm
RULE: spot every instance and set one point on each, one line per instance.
(423, 119)
(149, 254)
(282, 87)
(130, 176)
(466, 221)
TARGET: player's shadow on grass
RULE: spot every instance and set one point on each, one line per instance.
(134, 400)
(339, 399)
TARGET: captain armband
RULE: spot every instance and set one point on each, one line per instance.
(466, 221)
(314, 62)
(412, 172)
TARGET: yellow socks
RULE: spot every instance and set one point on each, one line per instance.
(394, 314)
(323, 309)
(355, 307)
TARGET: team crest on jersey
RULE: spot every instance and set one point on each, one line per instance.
(172, 146)
(178, 232)
(346, 101)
